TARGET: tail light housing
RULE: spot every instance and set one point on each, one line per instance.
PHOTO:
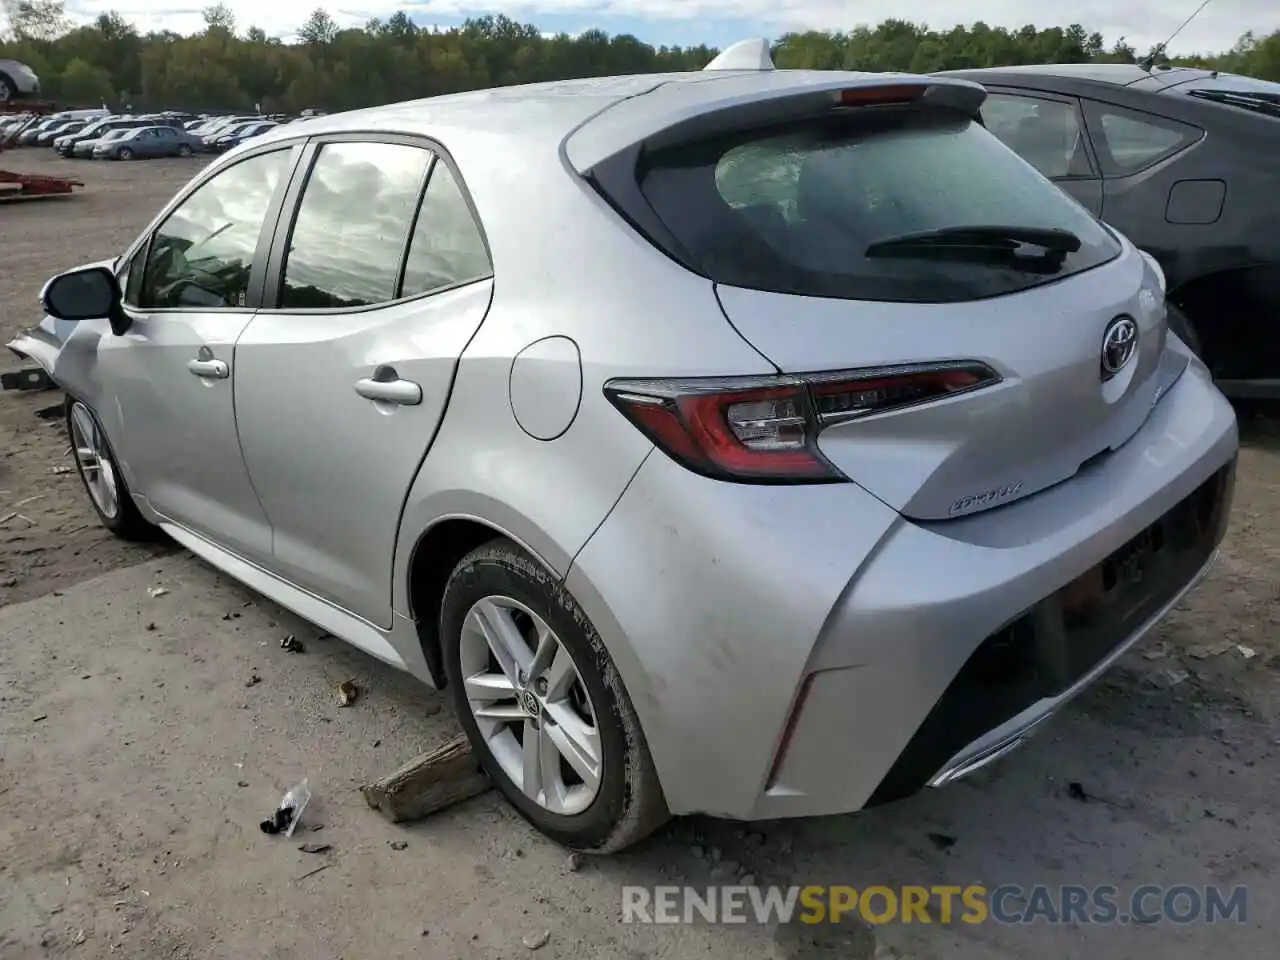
(765, 429)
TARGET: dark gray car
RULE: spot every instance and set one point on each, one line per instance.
(1182, 161)
(148, 142)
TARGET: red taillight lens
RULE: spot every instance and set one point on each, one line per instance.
(870, 96)
(745, 429)
(765, 429)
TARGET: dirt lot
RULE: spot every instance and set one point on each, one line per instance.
(137, 754)
(55, 539)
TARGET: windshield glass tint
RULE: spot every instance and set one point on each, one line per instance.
(794, 209)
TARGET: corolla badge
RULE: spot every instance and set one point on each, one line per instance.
(1119, 344)
(988, 498)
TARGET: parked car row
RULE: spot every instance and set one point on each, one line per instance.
(102, 135)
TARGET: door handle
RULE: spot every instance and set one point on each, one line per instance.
(209, 369)
(387, 387)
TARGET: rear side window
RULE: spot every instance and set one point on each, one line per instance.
(797, 209)
(1128, 141)
(447, 248)
(352, 225)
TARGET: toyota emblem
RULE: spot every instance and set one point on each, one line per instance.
(1119, 344)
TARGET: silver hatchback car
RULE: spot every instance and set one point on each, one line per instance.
(748, 442)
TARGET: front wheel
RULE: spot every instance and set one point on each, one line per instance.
(543, 706)
(8, 91)
(184, 150)
(103, 481)
(124, 153)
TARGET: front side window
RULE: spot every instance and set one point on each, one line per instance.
(908, 206)
(1045, 133)
(1129, 141)
(446, 248)
(352, 225)
(202, 255)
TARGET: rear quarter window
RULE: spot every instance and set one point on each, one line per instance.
(794, 209)
(1128, 141)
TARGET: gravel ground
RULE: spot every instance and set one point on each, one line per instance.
(136, 755)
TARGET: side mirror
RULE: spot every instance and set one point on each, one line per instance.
(88, 294)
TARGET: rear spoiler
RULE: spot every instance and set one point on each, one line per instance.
(681, 111)
(608, 150)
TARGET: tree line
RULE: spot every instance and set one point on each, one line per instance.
(226, 68)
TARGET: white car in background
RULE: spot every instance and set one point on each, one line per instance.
(17, 81)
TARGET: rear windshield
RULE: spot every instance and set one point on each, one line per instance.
(794, 209)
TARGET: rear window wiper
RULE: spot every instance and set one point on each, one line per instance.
(987, 238)
(1268, 104)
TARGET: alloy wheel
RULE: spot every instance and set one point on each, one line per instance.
(94, 460)
(530, 705)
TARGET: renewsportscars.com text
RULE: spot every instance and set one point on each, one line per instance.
(973, 904)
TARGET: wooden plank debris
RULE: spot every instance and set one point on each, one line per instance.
(432, 782)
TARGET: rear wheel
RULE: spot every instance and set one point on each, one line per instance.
(103, 481)
(543, 705)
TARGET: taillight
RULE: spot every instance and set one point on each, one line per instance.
(765, 429)
(872, 96)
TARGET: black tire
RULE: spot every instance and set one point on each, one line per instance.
(629, 804)
(184, 149)
(124, 153)
(8, 89)
(127, 523)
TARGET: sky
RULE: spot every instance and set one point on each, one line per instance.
(721, 22)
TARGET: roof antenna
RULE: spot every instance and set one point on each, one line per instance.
(1149, 61)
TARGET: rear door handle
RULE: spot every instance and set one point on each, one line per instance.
(386, 386)
(209, 369)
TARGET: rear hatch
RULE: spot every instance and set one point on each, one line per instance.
(969, 334)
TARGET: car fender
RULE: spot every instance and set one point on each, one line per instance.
(43, 343)
(68, 352)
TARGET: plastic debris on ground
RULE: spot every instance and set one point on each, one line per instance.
(288, 811)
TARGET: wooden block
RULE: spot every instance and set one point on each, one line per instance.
(428, 784)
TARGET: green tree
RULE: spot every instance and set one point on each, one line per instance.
(219, 19)
(82, 82)
(320, 28)
(395, 59)
(36, 19)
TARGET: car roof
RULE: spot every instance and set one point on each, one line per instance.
(549, 112)
(1083, 74)
(1122, 74)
